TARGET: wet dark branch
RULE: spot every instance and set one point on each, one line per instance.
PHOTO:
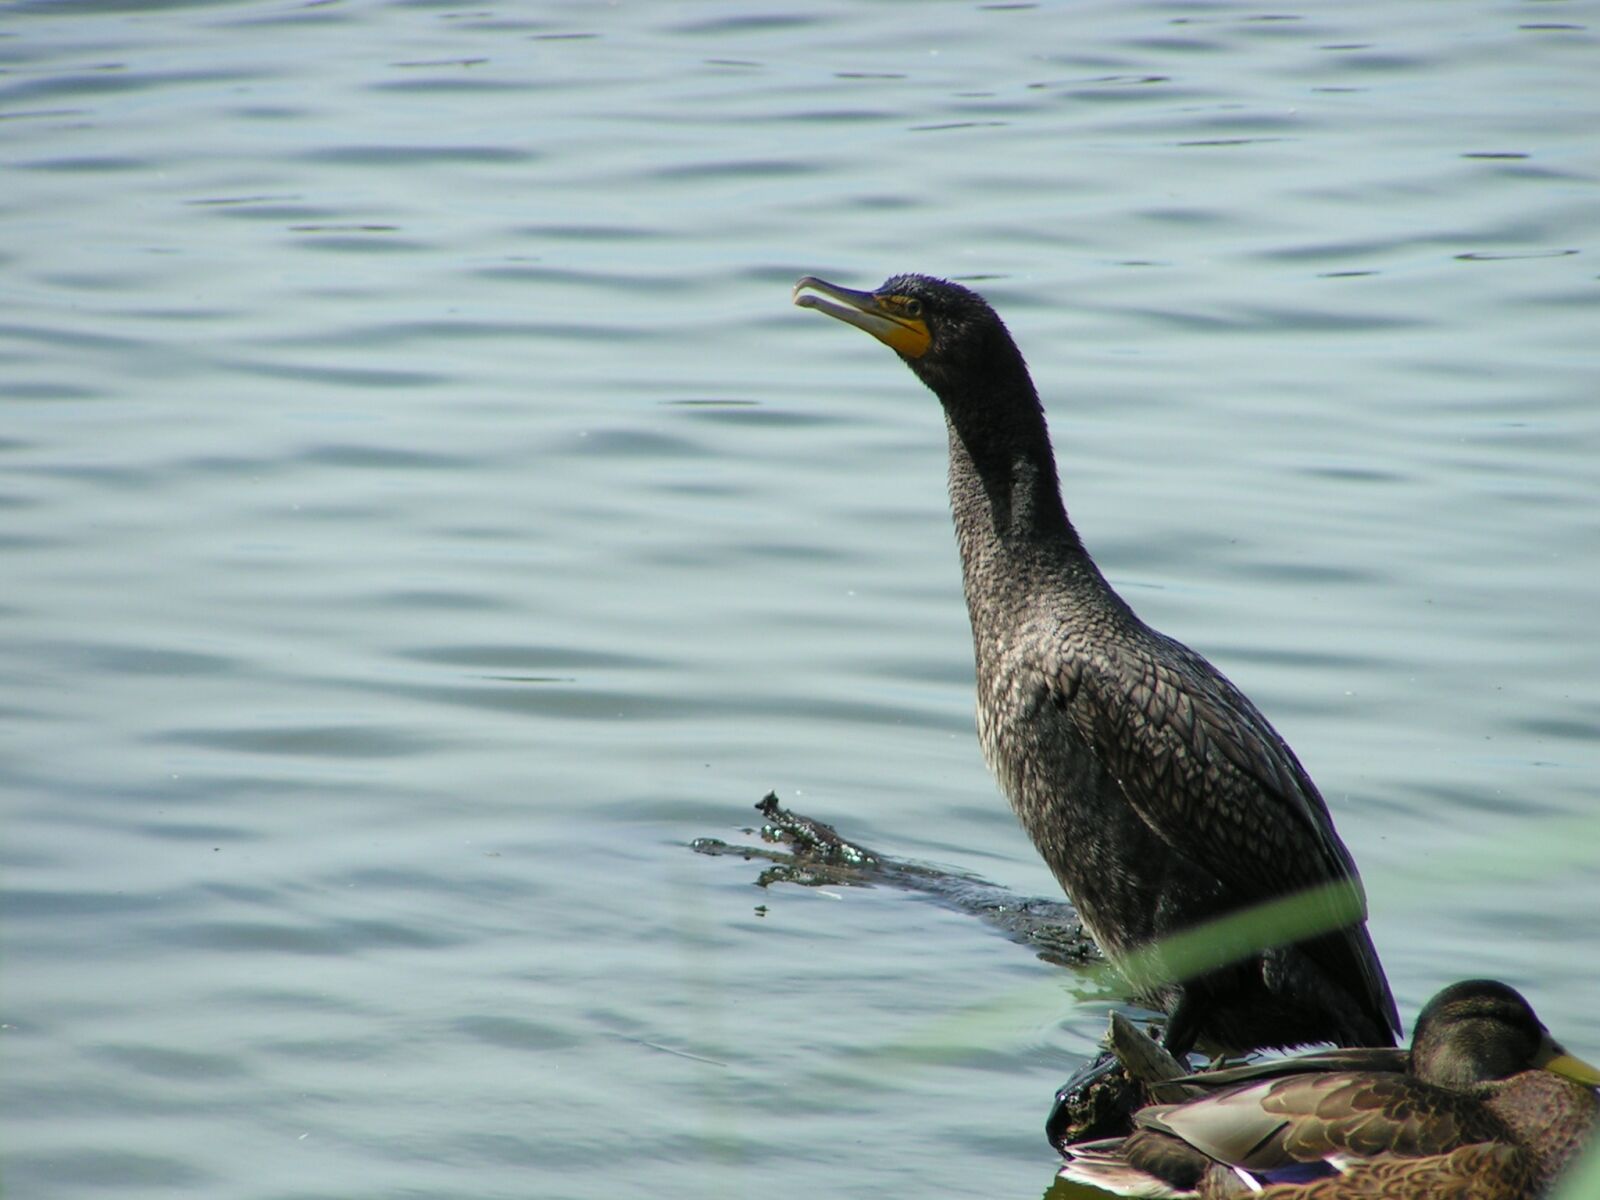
(816, 855)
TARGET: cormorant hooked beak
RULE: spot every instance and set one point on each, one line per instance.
(896, 321)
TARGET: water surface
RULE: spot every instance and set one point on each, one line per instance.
(425, 514)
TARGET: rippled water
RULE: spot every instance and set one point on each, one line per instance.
(425, 514)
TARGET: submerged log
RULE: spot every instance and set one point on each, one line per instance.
(816, 855)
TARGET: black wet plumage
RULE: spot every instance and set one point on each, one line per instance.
(1155, 791)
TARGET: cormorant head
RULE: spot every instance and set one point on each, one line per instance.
(942, 330)
(1481, 1030)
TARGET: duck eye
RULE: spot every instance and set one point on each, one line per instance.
(913, 308)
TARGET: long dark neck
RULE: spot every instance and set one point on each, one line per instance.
(1004, 494)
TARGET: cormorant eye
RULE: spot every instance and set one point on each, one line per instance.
(913, 308)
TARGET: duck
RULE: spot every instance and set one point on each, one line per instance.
(1484, 1106)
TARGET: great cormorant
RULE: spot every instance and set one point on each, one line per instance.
(1155, 791)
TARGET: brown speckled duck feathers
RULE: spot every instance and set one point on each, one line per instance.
(1486, 1106)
